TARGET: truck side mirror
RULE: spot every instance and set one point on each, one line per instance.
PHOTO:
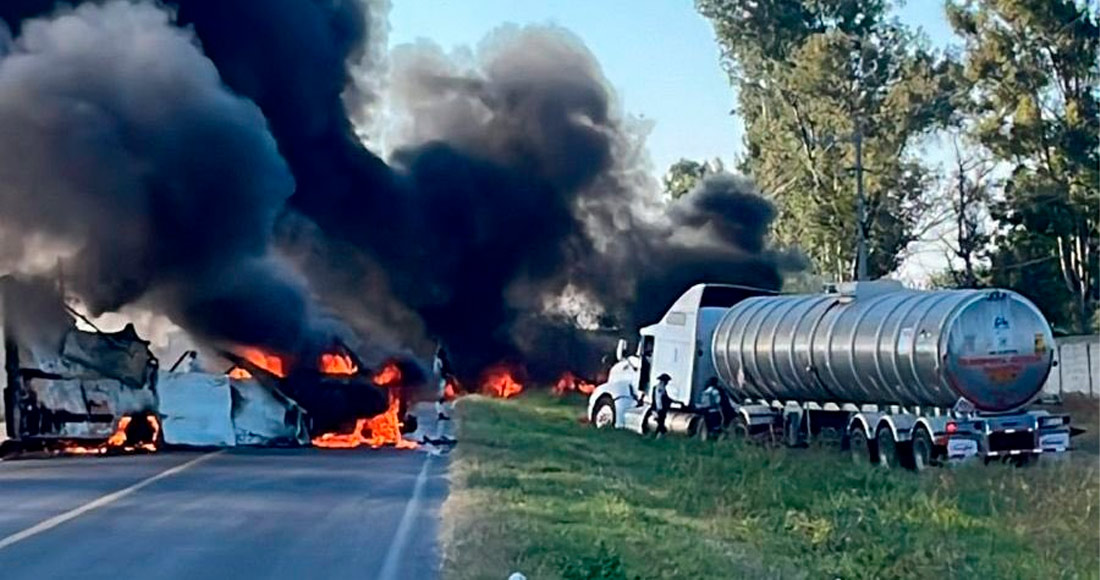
(620, 349)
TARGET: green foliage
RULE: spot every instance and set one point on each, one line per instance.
(605, 565)
(811, 73)
(685, 174)
(534, 490)
(1031, 68)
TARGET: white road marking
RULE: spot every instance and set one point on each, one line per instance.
(57, 520)
(404, 527)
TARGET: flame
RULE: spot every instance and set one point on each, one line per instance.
(389, 375)
(570, 382)
(338, 364)
(269, 362)
(450, 390)
(119, 439)
(384, 429)
(81, 450)
(498, 382)
(155, 424)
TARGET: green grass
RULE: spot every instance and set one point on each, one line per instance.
(537, 491)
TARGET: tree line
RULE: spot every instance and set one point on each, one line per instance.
(1015, 202)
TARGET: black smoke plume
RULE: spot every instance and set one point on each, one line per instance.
(121, 142)
(516, 202)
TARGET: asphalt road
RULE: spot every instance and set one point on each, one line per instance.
(237, 514)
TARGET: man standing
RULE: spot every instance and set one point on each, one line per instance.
(661, 402)
(441, 368)
(715, 405)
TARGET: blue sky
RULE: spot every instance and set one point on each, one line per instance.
(660, 56)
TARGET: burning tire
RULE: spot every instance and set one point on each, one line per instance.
(603, 415)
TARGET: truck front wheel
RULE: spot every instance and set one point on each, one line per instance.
(603, 416)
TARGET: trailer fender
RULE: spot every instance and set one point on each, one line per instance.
(862, 422)
(934, 427)
(756, 415)
(901, 425)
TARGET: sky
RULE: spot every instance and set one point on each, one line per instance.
(660, 56)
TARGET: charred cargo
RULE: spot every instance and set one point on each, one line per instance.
(63, 382)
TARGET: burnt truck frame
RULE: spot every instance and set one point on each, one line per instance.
(65, 384)
(883, 432)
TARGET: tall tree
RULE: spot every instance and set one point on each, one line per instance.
(1033, 69)
(809, 74)
(685, 174)
(967, 195)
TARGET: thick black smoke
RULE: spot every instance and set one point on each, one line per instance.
(121, 143)
(516, 202)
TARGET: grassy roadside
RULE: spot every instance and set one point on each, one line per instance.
(536, 491)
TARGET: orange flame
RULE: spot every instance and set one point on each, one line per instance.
(338, 364)
(389, 375)
(569, 382)
(120, 438)
(498, 382)
(384, 429)
(450, 391)
(269, 362)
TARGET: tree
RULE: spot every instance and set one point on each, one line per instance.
(1032, 66)
(967, 195)
(808, 75)
(685, 174)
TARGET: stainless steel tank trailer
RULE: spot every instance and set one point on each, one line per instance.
(899, 376)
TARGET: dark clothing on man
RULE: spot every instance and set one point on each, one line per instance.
(661, 402)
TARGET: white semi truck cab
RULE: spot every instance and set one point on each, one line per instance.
(898, 376)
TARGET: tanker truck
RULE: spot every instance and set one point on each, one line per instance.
(897, 376)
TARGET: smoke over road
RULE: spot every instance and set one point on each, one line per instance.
(516, 201)
(122, 145)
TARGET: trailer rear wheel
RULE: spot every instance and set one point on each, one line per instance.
(887, 447)
(858, 446)
(603, 416)
(923, 449)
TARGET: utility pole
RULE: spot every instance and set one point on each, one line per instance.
(861, 207)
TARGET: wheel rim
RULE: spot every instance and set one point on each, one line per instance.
(605, 416)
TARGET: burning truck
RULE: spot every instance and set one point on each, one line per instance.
(83, 390)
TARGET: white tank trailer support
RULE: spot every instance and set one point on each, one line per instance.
(898, 376)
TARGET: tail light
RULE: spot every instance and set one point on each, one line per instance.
(952, 427)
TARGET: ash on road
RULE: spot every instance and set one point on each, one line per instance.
(243, 513)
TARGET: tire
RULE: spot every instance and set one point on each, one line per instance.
(603, 415)
(858, 446)
(739, 428)
(923, 450)
(888, 455)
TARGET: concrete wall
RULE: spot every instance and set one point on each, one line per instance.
(1078, 369)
